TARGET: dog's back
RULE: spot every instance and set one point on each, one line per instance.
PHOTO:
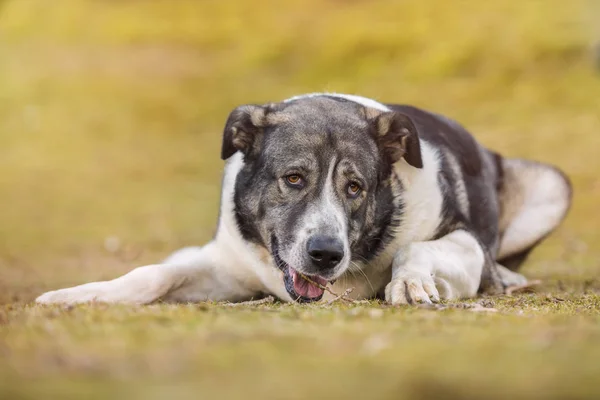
(511, 204)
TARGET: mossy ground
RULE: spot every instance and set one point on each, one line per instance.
(110, 121)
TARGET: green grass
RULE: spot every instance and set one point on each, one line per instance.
(110, 126)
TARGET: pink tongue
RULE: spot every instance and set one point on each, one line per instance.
(306, 289)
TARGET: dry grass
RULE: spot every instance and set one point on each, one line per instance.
(110, 119)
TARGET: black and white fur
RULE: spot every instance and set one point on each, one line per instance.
(440, 217)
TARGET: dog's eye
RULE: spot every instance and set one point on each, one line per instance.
(294, 180)
(353, 190)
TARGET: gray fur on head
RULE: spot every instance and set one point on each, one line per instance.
(333, 145)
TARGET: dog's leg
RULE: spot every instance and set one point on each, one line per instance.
(534, 199)
(199, 276)
(447, 268)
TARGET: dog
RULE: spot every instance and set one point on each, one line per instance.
(324, 192)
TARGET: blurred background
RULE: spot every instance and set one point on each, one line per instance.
(111, 111)
(111, 114)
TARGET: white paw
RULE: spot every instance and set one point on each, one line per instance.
(75, 295)
(63, 296)
(411, 287)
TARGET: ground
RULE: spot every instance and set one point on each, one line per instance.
(110, 127)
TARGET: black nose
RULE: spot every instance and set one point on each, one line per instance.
(325, 251)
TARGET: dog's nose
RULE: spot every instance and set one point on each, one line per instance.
(325, 251)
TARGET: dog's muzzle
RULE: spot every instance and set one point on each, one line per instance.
(302, 288)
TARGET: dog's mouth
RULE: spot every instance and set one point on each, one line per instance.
(302, 288)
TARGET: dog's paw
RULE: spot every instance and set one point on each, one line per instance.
(74, 295)
(56, 297)
(412, 287)
(65, 296)
(510, 278)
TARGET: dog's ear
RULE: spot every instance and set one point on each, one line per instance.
(243, 128)
(397, 136)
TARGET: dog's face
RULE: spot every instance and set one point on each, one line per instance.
(316, 187)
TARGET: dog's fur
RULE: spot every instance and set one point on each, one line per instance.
(391, 200)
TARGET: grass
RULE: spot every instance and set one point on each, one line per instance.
(110, 120)
(536, 348)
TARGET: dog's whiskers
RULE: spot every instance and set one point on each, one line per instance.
(359, 269)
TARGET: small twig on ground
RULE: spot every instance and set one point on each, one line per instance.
(342, 296)
(527, 287)
(479, 308)
(266, 300)
(474, 307)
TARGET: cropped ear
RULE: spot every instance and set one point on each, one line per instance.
(397, 137)
(243, 128)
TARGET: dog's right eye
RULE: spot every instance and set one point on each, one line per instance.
(294, 180)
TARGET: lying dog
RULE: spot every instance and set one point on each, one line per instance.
(391, 200)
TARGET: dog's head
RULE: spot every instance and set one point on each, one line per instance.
(316, 187)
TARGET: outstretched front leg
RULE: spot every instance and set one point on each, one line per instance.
(447, 268)
(198, 276)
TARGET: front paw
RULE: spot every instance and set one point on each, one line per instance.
(56, 297)
(74, 295)
(65, 296)
(412, 287)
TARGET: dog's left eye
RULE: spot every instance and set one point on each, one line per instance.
(353, 190)
(294, 180)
